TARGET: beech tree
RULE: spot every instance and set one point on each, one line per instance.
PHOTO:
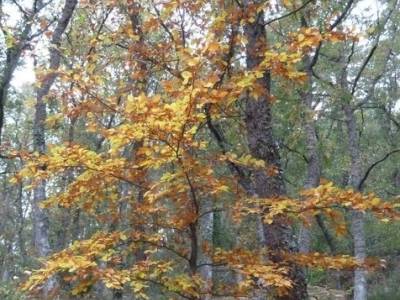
(185, 149)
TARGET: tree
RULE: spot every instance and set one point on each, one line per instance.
(17, 38)
(41, 223)
(182, 116)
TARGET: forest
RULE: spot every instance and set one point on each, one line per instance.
(200, 149)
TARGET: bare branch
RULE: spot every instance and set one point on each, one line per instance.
(21, 9)
(333, 26)
(372, 51)
(371, 167)
(288, 14)
(342, 15)
(363, 66)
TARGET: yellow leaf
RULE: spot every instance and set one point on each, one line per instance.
(213, 47)
(186, 76)
(192, 62)
(375, 201)
(123, 237)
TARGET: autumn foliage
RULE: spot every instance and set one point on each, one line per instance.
(157, 164)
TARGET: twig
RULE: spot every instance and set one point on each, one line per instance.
(289, 13)
(371, 167)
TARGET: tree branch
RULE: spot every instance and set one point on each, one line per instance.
(288, 14)
(371, 53)
(363, 66)
(371, 167)
(333, 26)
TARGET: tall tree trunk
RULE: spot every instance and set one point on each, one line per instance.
(262, 145)
(355, 175)
(40, 218)
(313, 164)
(357, 218)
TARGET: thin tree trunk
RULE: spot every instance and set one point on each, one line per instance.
(13, 55)
(357, 218)
(205, 235)
(355, 175)
(40, 218)
(21, 225)
(313, 164)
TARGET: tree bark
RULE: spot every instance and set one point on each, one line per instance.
(313, 165)
(13, 55)
(205, 240)
(40, 218)
(357, 219)
(263, 145)
(355, 175)
(21, 224)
